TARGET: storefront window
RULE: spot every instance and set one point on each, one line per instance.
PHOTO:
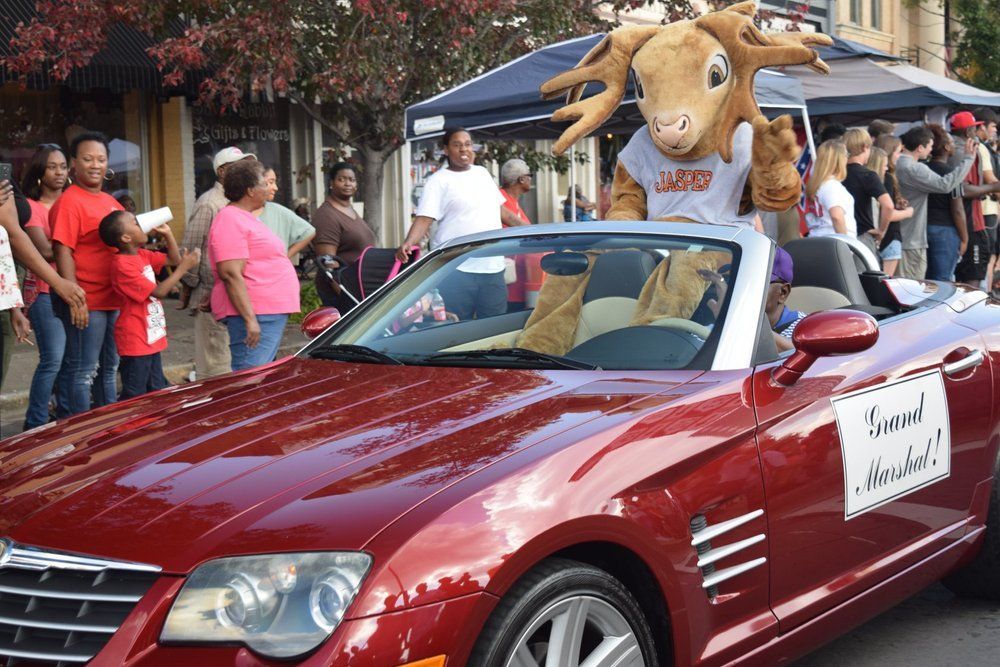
(260, 128)
(29, 118)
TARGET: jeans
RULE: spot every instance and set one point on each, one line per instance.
(90, 354)
(52, 371)
(271, 329)
(141, 375)
(942, 252)
(474, 294)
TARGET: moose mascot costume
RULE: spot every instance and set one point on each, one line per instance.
(706, 153)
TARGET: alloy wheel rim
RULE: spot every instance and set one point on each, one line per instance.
(577, 631)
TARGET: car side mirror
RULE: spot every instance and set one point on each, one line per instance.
(319, 321)
(826, 334)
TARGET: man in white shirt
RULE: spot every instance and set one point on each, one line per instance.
(463, 199)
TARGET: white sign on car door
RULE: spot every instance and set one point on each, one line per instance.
(895, 439)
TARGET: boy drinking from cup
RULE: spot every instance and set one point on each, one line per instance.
(141, 329)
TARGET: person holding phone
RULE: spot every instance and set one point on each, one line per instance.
(15, 245)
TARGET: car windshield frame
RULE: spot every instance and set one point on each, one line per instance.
(727, 348)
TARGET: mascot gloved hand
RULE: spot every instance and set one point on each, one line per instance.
(706, 153)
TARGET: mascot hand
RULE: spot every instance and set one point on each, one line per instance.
(775, 184)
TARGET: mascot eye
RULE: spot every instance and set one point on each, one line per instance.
(639, 93)
(718, 71)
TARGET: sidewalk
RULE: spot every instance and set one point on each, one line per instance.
(178, 359)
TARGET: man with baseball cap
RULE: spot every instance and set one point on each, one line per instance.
(211, 339)
(979, 182)
(782, 318)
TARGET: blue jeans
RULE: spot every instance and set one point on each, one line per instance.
(141, 375)
(51, 371)
(942, 252)
(90, 354)
(271, 329)
(474, 294)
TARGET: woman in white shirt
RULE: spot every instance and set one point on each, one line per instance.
(829, 206)
(463, 199)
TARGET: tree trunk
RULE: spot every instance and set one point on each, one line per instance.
(372, 178)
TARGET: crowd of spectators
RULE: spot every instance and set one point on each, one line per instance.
(924, 202)
(91, 295)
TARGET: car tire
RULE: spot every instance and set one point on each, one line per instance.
(981, 578)
(548, 602)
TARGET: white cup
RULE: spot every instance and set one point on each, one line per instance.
(153, 219)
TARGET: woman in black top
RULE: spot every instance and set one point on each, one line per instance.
(947, 235)
(882, 161)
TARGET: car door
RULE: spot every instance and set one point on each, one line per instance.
(832, 536)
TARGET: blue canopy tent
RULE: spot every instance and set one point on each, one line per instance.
(504, 103)
(845, 48)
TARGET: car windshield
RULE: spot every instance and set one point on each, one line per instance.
(561, 301)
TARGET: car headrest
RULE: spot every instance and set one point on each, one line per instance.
(619, 273)
(825, 261)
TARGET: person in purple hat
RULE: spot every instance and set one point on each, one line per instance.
(782, 318)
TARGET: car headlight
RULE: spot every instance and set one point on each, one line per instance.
(279, 605)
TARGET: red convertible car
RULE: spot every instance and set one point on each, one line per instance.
(625, 471)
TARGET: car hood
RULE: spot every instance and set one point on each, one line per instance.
(299, 455)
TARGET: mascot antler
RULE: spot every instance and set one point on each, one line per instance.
(607, 63)
(752, 50)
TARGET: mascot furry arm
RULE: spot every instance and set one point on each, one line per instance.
(694, 87)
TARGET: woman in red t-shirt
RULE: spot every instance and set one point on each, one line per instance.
(43, 183)
(83, 258)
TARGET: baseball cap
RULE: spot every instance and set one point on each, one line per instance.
(230, 154)
(782, 269)
(964, 120)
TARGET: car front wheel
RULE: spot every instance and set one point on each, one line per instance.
(568, 614)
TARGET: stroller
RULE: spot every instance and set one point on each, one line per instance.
(356, 281)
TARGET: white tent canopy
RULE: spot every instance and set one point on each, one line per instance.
(863, 88)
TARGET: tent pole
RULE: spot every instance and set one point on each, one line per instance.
(809, 132)
(571, 197)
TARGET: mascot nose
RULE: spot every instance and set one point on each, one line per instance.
(671, 135)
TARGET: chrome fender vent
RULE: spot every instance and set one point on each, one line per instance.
(702, 536)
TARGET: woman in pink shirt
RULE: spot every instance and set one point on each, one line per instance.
(255, 284)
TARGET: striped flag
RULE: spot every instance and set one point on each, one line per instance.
(804, 166)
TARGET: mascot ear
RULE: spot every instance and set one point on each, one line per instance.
(607, 63)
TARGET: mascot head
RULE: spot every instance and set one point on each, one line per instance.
(693, 79)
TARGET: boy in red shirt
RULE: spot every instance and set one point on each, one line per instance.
(141, 329)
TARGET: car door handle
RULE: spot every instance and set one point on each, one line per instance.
(971, 360)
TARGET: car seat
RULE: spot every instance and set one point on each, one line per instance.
(825, 276)
(613, 291)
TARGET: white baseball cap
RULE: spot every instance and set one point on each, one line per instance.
(230, 154)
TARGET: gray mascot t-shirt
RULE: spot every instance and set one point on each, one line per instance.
(704, 190)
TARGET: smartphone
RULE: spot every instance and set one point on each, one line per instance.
(5, 171)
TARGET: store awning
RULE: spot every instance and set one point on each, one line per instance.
(124, 65)
(860, 88)
(504, 103)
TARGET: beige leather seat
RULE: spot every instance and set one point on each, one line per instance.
(810, 299)
(603, 315)
(612, 292)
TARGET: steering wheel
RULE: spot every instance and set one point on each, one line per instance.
(681, 324)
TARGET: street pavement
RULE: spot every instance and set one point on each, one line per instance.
(178, 362)
(933, 628)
